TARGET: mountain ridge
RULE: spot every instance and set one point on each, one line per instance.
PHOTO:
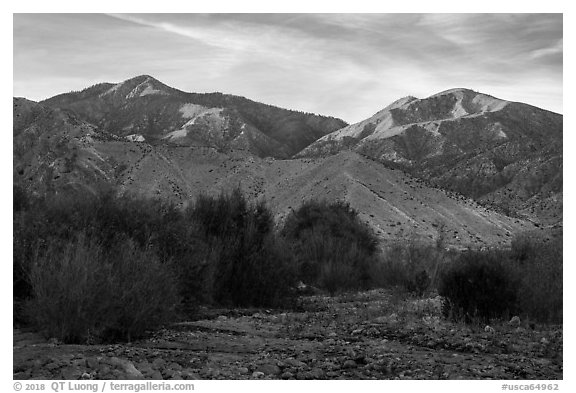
(455, 141)
(145, 106)
(468, 142)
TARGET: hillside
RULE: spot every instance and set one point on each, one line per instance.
(65, 154)
(462, 165)
(503, 154)
(146, 109)
(53, 151)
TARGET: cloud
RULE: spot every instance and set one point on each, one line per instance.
(345, 65)
(552, 50)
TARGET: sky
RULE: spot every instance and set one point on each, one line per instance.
(344, 65)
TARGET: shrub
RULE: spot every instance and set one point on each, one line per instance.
(82, 293)
(540, 267)
(221, 249)
(479, 286)
(333, 248)
(412, 266)
(419, 283)
(247, 264)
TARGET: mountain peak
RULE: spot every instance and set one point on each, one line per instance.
(456, 90)
(142, 78)
(139, 86)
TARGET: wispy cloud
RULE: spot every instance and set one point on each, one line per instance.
(346, 65)
(552, 50)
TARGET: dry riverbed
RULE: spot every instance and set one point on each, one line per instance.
(369, 335)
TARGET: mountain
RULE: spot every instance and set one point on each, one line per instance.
(145, 109)
(506, 155)
(54, 151)
(406, 170)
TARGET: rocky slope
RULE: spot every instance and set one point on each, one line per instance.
(144, 108)
(54, 151)
(504, 154)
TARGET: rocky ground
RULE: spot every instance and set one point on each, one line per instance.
(370, 335)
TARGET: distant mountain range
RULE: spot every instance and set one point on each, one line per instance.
(482, 168)
(504, 154)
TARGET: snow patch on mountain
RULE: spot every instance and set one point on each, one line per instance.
(145, 88)
(432, 128)
(489, 104)
(151, 90)
(498, 130)
(182, 133)
(190, 111)
(135, 138)
(112, 89)
(212, 116)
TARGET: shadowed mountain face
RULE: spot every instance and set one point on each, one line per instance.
(144, 109)
(395, 168)
(503, 154)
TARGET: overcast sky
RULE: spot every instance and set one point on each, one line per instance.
(344, 65)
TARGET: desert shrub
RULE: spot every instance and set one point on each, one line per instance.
(56, 221)
(246, 263)
(479, 286)
(221, 249)
(540, 266)
(389, 270)
(333, 248)
(414, 267)
(83, 292)
(418, 283)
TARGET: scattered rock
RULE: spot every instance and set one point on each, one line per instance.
(189, 374)
(126, 366)
(515, 321)
(349, 364)
(243, 370)
(92, 363)
(22, 375)
(158, 364)
(269, 369)
(294, 363)
(72, 373)
(317, 373)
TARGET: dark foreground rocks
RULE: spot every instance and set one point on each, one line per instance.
(369, 335)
